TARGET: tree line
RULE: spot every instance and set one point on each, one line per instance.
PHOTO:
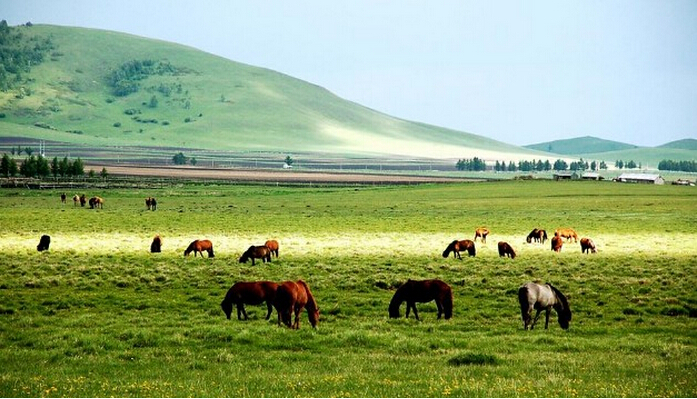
(38, 166)
(476, 164)
(678, 166)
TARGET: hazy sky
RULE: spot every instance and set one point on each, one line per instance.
(521, 72)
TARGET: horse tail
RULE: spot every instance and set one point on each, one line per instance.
(524, 301)
(448, 303)
(472, 250)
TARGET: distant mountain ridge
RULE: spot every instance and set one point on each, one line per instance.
(580, 146)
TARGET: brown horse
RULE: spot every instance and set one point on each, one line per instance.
(293, 297)
(83, 200)
(272, 245)
(156, 245)
(543, 297)
(481, 232)
(538, 235)
(506, 250)
(250, 293)
(200, 246)
(96, 202)
(557, 243)
(456, 246)
(567, 233)
(63, 198)
(256, 252)
(423, 291)
(587, 245)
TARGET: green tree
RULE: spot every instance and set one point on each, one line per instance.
(153, 102)
(55, 167)
(5, 165)
(193, 161)
(103, 174)
(289, 160)
(77, 168)
(179, 159)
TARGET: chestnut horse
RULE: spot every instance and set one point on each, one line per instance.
(481, 232)
(256, 252)
(587, 245)
(538, 235)
(506, 250)
(250, 293)
(543, 297)
(293, 297)
(200, 246)
(557, 243)
(566, 233)
(96, 202)
(423, 291)
(156, 245)
(272, 245)
(456, 246)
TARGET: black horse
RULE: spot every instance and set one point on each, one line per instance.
(44, 242)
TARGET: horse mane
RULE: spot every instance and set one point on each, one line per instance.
(566, 311)
(449, 248)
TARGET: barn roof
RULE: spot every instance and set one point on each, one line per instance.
(638, 176)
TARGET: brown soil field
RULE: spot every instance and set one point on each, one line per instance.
(266, 175)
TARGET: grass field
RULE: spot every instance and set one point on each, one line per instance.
(98, 315)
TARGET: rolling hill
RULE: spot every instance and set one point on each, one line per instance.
(102, 88)
(580, 145)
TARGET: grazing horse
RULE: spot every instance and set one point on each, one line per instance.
(567, 233)
(256, 252)
(506, 250)
(156, 245)
(151, 203)
(96, 202)
(272, 245)
(423, 291)
(44, 242)
(63, 198)
(250, 293)
(200, 246)
(587, 245)
(456, 246)
(481, 232)
(76, 199)
(557, 243)
(538, 235)
(543, 297)
(293, 297)
(83, 200)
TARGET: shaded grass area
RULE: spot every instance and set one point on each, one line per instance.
(94, 318)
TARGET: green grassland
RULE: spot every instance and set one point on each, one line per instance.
(98, 315)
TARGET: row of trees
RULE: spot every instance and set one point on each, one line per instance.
(40, 167)
(678, 166)
(181, 159)
(620, 164)
(476, 164)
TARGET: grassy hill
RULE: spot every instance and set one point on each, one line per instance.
(580, 146)
(206, 102)
(685, 144)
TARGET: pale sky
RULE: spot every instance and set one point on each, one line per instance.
(521, 72)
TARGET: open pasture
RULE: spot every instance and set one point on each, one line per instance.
(98, 315)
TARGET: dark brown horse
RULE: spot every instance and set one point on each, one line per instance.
(423, 291)
(44, 243)
(293, 297)
(256, 252)
(506, 250)
(557, 243)
(272, 245)
(200, 246)
(250, 293)
(151, 203)
(83, 200)
(456, 246)
(587, 245)
(96, 202)
(63, 198)
(481, 232)
(156, 245)
(538, 235)
(566, 233)
(543, 297)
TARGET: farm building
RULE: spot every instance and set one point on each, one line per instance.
(592, 176)
(640, 178)
(566, 176)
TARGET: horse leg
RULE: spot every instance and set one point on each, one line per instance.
(269, 308)
(457, 253)
(440, 309)
(537, 316)
(416, 314)
(296, 324)
(252, 261)
(408, 309)
(547, 311)
(240, 311)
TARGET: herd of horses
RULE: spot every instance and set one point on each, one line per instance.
(94, 202)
